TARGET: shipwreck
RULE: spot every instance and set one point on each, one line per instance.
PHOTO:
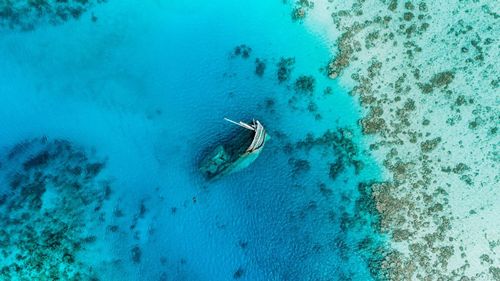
(237, 154)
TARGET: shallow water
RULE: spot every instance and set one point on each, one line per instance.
(146, 88)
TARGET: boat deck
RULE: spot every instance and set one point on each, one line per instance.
(259, 137)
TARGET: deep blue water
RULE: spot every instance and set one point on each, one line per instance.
(146, 88)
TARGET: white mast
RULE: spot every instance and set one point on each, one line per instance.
(241, 124)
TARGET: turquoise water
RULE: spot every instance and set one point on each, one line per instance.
(144, 89)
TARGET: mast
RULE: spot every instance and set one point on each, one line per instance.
(241, 124)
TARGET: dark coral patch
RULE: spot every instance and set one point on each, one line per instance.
(299, 12)
(48, 206)
(136, 254)
(260, 67)
(239, 273)
(243, 51)
(27, 15)
(305, 84)
(285, 67)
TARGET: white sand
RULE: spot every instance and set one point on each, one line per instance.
(440, 206)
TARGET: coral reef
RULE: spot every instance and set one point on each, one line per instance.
(426, 75)
(354, 209)
(136, 254)
(243, 51)
(285, 67)
(300, 9)
(340, 144)
(305, 84)
(260, 67)
(53, 195)
(239, 273)
(27, 14)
